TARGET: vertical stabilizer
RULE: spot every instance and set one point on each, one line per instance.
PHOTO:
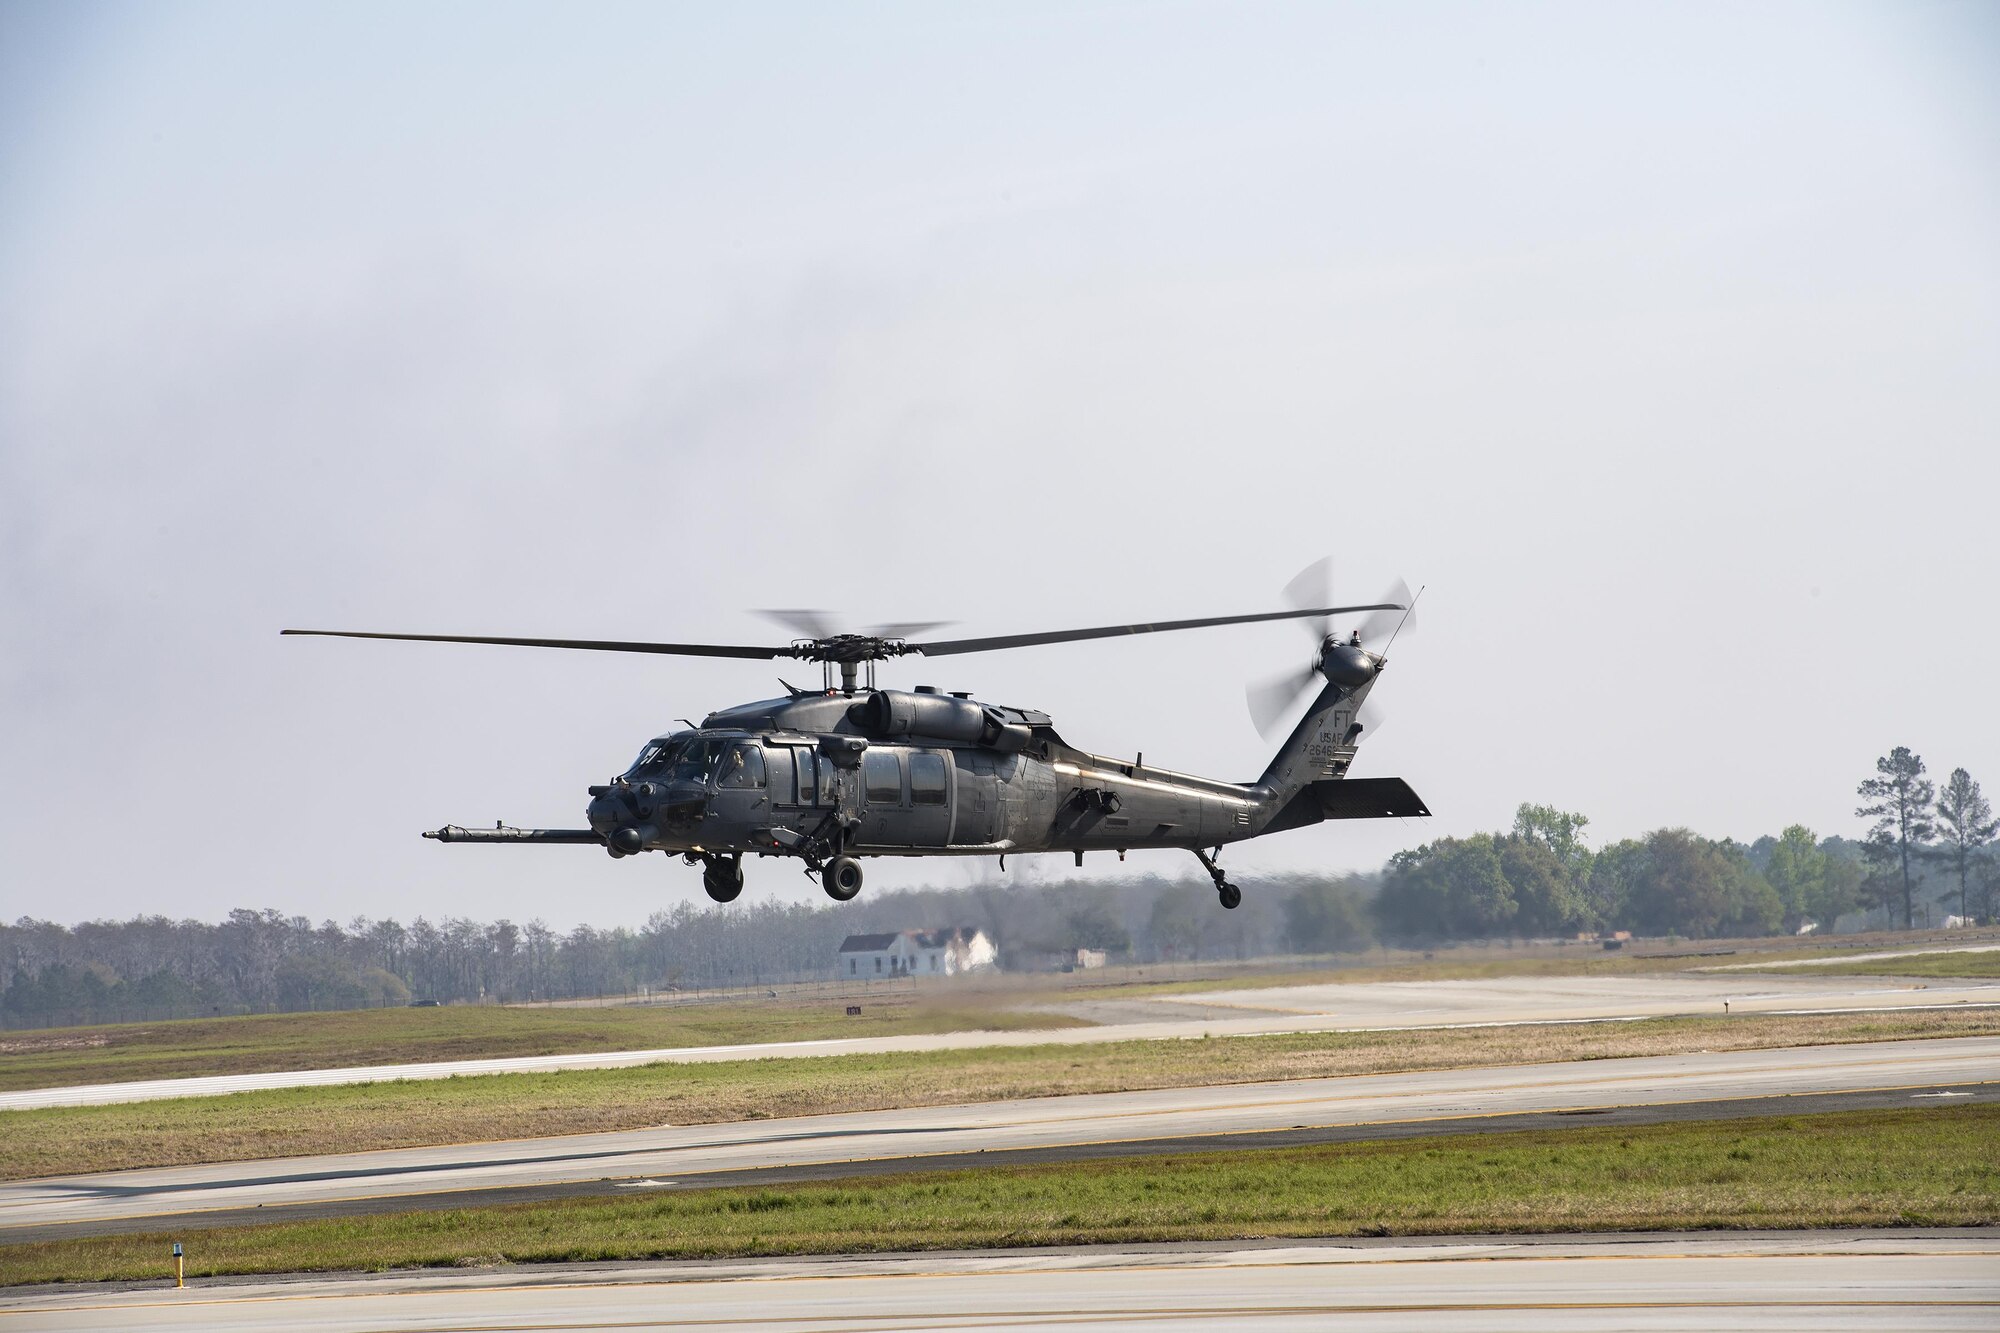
(1321, 746)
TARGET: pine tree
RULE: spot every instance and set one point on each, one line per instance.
(1899, 801)
(1968, 825)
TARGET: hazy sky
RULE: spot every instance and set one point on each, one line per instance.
(1662, 343)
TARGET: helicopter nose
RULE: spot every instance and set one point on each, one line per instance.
(607, 809)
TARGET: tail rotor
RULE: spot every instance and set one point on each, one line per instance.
(1275, 698)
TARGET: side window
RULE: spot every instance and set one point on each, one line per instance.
(743, 766)
(885, 778)
(927, 779)
(804, 759)
(696, 760)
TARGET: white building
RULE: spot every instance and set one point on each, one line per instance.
(916, 953)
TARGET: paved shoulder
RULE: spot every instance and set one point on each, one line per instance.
(1773, 1283)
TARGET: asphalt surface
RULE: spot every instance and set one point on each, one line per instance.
(1098, 1125)
(1361, 1006)
(1770, 1283)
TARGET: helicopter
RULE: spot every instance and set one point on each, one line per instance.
(850, 770)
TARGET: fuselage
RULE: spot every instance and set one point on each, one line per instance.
(805, 763)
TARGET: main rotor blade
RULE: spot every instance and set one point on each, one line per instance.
(950, 646)
(591, 645)
(805, 623)
(905, 630)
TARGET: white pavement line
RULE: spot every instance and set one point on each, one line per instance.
(1092, 1120)
(1773, 1283)
(1461, 1006)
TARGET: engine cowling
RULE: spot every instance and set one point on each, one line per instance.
(938, 717)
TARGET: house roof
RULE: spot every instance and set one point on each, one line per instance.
(923, 939)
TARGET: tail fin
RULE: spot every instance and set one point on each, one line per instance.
(1321, 746)
(1307, 779)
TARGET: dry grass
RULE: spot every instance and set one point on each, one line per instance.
(359, 1117)
(188, 1048)
(1932, 1167)
(1967, 964)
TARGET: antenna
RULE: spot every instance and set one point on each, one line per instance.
(1407, 613)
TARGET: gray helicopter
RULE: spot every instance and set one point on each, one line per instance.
(849, 770)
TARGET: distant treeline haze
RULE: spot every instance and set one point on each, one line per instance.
(1538, 879)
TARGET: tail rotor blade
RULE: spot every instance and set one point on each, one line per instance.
(1377, 626)
(1313, 586)
(1271, 700)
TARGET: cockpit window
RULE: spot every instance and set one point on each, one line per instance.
(743, 766)
(653, 760)
(682, 758)
(696, 760)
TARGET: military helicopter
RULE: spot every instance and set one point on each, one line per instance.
(850, 770)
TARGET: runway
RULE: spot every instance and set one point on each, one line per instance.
(1092, 1125)
(1769, 1283)
(1360, 1006)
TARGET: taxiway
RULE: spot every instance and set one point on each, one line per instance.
(1770, 1283)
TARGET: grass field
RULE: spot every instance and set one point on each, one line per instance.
(357, 1117)
(1964, 965)
(1932, 1167)
(186, 1048)
(64, 1057)
(1573, 963)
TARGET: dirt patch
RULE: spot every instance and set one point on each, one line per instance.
(38, 1045)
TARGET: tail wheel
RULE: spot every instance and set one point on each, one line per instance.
(842, 878)
(1231, 895)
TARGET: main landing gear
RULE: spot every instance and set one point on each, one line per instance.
(842, 878)
(1230, 895)
(722, 877)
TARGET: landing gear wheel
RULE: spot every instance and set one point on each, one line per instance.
(842, 878)
(723, 880)
(1231, 895)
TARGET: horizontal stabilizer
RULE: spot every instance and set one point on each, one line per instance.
(1368, 798)
(501, 833)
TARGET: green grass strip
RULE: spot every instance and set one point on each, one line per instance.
(373, 1116)
(1926, 1167)
(1968, 964)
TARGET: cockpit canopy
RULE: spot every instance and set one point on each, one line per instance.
(689, 757)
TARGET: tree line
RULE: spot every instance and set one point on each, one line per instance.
(1538, 879)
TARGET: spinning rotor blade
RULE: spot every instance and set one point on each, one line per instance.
(1380, 626)
(594, 645)
(805, 624)
(1275, 698)
(1272, 700)
(905, 630)
(820, 625)
(951, 646)
(1313, 586)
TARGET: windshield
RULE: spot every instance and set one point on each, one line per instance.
(682, 758)
(654, 759)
